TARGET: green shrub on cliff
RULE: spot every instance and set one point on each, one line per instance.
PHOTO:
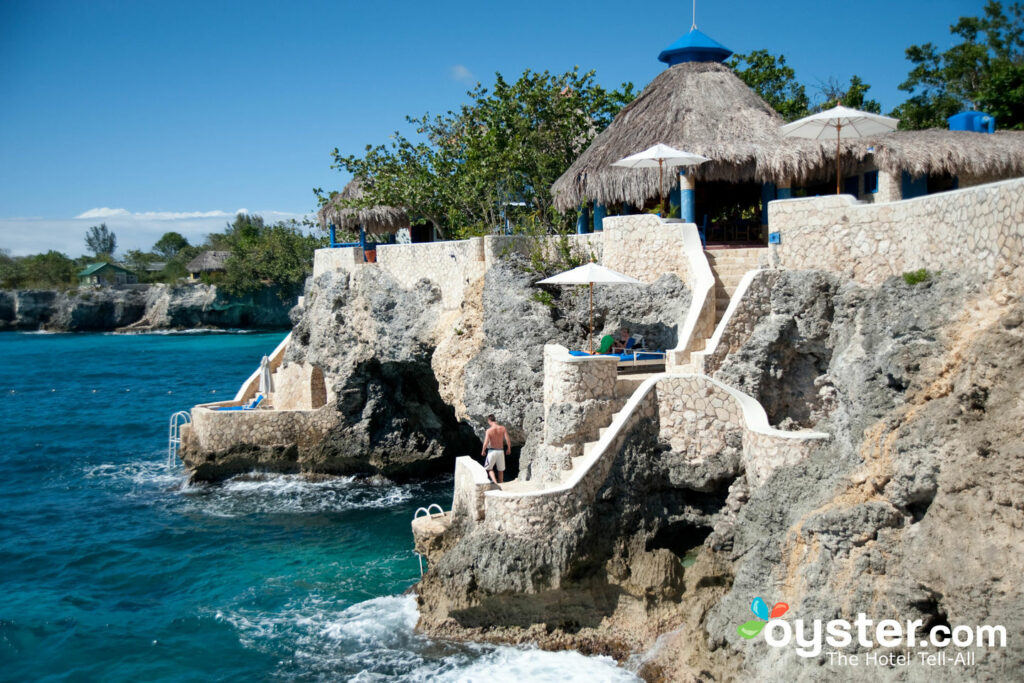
(263, 255)
(52, 270)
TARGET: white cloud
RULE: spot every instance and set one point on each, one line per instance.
(105, 212)
(461, 73)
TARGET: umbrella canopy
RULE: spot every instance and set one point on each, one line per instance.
(846, 124)
(591, 274)
(266, 383)
(661, 155)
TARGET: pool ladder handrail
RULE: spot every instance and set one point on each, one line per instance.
(426, 512)
(182, 417)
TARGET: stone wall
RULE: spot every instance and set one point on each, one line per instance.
(449, 265)
(299, 386)
(499, 246)
(977, 231)
(471, 482)
(579, 399)
(330, 260)
(697, 414)
(643, 246)
(220, 430)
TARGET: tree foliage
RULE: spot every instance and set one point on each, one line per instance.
(775, 81)
(505, 146)
(101, 241)
(853, 95)
(985, 70)
(276, 255)
(52, 270)
(170, 244)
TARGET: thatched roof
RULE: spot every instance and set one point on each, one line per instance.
(376, 219)
(208, 261)
(937, 151)
(699, 107)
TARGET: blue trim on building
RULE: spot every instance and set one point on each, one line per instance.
(582, 219)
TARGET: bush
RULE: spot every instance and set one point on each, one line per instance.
(915, 277)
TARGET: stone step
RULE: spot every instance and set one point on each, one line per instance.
(625, 386)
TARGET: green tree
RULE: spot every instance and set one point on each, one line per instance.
(170, 244)
(853, 95)
(101, 241)
(985, 70)
(278, 255)
(774, 81)
(43, 271)
(508, 144)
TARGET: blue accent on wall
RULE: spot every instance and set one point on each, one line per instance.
(784, 193)
(695, 46)
(913, 187)
(775, 238)
(767, 195)
(333, 240)
(599, 213)
(581, 220)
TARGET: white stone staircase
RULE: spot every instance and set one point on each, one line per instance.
(625, 385)
(728, 267)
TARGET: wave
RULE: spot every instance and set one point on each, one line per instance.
(256, 493)
(375, 640)
(191, 330)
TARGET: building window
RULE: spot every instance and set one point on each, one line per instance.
(871, 182)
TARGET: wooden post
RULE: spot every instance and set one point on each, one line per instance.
(661, 188)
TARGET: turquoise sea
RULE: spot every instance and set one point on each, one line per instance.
(112, 569)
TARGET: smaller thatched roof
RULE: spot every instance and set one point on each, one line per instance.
(954, 152)
(376, 220)
(208, 261)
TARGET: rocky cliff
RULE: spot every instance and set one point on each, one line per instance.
(913, 510)
(140, 308)
(413, 383)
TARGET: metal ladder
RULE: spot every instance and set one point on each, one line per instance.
(426, 512)
(182, 417)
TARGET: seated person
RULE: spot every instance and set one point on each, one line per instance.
(621, 340)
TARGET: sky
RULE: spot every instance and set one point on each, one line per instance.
(153, 116)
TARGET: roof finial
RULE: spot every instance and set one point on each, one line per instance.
(694, 15)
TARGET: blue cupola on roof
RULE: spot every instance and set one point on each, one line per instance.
(695, 46)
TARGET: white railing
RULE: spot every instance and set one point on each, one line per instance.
(426, 513)
(182, 417)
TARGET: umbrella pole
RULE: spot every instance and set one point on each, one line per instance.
(839, 128)
(591, 318)
(661, 188)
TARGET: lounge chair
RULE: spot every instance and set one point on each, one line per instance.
(632, 358)
(251, 405)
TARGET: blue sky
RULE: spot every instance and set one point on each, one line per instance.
(172, 115)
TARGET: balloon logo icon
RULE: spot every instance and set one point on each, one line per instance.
(750, 629)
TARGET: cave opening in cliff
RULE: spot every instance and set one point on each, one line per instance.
(679, 537)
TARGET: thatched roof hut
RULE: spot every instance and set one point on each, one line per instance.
(700, 107)
(208, 262)
(376, 220)
(953, 152)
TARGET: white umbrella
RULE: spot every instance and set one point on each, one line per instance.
(660, 155)
(847, 124)
(266, 383)
(590, 274)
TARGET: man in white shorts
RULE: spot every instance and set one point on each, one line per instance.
(496, 447)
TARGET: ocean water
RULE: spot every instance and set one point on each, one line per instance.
(112, 569)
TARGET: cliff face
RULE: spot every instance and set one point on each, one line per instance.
(413, 383)
(139, 308)
(911, 511)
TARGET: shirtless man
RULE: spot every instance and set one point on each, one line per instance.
(496, 447)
